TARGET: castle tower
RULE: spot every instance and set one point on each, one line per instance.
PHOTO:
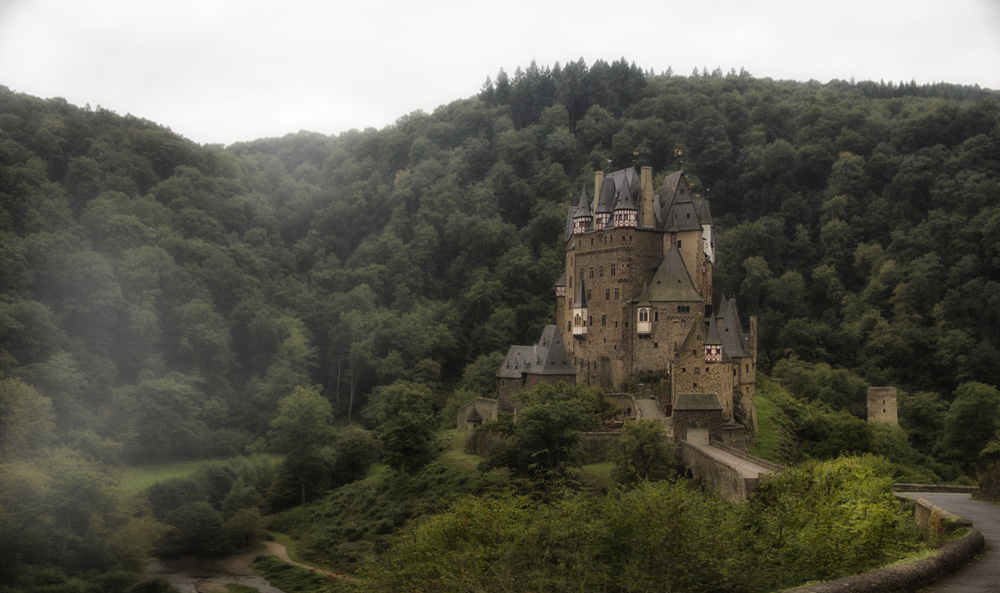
(882, 405)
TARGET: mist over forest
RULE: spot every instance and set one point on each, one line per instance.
(159, 299)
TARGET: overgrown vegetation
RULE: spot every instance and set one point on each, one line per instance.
(817, 522)
(161, 300)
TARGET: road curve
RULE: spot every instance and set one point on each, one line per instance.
(982, 575)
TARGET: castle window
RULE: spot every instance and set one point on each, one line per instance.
(684, 369)
(604, 320)
(696, 386)
(697, 371)
(607, 294)
(683, 308)
(616, 293)
(591, 271)
(656, 315)
(678, 243)
(600, 271)
(588, 294)
(644, 326)
(656, 344)
(612, 270)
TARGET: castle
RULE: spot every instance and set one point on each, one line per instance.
(635, 301)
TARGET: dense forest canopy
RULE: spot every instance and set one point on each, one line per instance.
(146, 277)
(165, 300)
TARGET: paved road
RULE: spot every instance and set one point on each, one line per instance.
(983, 574)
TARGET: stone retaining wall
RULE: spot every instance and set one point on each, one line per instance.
(912, 576)
(935, 488)
(904, 578)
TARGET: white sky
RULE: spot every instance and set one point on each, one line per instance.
(222, 71)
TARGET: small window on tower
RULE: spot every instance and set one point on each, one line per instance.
(678, 243)
(600, 271)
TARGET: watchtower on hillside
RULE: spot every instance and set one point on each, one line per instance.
(882, 405)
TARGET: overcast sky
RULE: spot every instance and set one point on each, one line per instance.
(222, 71)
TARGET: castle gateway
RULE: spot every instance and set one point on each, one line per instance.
(636, 300)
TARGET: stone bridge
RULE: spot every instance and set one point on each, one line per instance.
(730, 473)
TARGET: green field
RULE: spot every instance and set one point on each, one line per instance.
(138, 478)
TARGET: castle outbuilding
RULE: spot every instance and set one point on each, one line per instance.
(636, 300)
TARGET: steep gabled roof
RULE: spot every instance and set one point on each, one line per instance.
(547, 357)
(561, 281)
(515, 362)
(626, 199)
(704, 212)
(581, 297)
(550, 356)
(606, 201)
(678, 211)
(671, 282)
(731, 333)
(713, 338)
(583, 207)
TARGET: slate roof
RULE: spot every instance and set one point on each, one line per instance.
(626, 199)
(731, 333)
(606, 201)
(583, 207)
(550, 355)
(516, 360)
(713, 338)
(581, 297)
(547, 357)
(697, 401)
(678, 212)
(671, 282)
(561, 281)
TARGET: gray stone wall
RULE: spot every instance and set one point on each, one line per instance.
(725, 481)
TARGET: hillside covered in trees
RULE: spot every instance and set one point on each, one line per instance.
(159, 298)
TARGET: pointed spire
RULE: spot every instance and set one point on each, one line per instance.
(581, 297)
(582, 216)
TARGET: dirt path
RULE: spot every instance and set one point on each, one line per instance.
(240, 563)
(208, 575)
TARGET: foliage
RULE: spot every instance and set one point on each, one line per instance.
(823, 520)
(292, 578)
(814, 522)
(542, 442)
(160, 298)
(642, 453)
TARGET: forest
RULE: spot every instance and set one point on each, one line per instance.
(337, 298)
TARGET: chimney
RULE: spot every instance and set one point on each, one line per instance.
(647, 218)
(598, 182)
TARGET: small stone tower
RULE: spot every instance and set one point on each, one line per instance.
(882, 405)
